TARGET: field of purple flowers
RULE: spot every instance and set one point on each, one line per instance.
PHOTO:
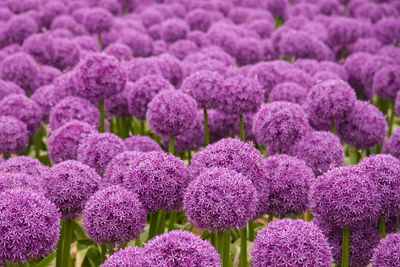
(199, 133)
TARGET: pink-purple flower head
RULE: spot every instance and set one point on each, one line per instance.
(97, 150)
(180, 248)
(387, 252)
(288, 91)
(174, 29)
(67, 54)
(47, 97)
(46, 76)
(8, 88)
(367, 45)
(248, 51)
(171, 113)
(130, 256)
(69, 23)
(26, 165)
(140, 43)
(119, 50)
(386, 82)
(291, 243)
(87, 43)
(311, 66)
(29, 226)
(343, 31)
(159, 179)
(14, 135)
(139, 67)
(182, 48)
(171, 69)
(345, 197)
(220, 199)
(98, 20)
(141, 143)
(199, 19)
(50, 11)
(64, 141)
(42, 47)
(364, 128)
(387, 31)
(114, 216)
(9, 180)
(353, 65)
(19, 27)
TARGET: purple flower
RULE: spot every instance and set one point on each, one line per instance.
(277, 7)
(367, 45)
(8, 88)
(130, 256)
(212, 52)
(184, 249)
(19, 27)
(139, 67)
(150, 16)
(87, 43)
(323, 76)
(119, 50)
(364, 128)
(248, 51)
(335, 68)
(387, 30)
(29, 226)
(50, 11)
(171, 113)
(159, 179)
(97, 149)
(182, 48)
(46, 76)
(310, 66)
(41, 46)
(171, 69)
(343, 31)
(354, 65)
(220, 34)
(288, 91)
(24, 164)
(263, 27)
(64, 141)
(345, 198)
(174, 29)
(387, 252)
(390, 51)
(141, 143)
(290, 243)
(69, 23)
(140, 43)
(386, 82)
(13, 135)
(18, 179)
(113, 216)
(199, 19)
(98, 20)
(67, 54)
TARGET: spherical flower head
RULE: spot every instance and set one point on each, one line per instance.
(280, 123)
(288, 91)
(118, 165)
(323, 76)
(24, 109)
(87, 43)
(160, 47)
(390, 51)
(47, 97)
(30, 225)
(367, 45)
(100, 76)
(21, 69)
(159, 179)
(126, 223)
(182, 48)
(116, 106)
(119, 50)
(296, 44)
(141, 92)
(24, 164)
(343, 31)
(41, 47)
(52, 10)
(248, 51)
(64, 142)
(73, 108)
(290, 180)
(353, 65)
(387, 30)
(68, 53)
(98, 20)
(19, 27)
(180, 248)
(141, 143)
(345, 198)
(69, 186)
(8, 88)
(174, 29)
(14, 135)
(321, 151)
(171, 113)
(387, 252)
(311, 66)
(262, 27)
(46, 76)
(150, 16)
(240, 157)
(290, 242)
(141, 44)
(220, 199)
(335, 68)
(69, 23)
(392, 144)
(11, 180)
(364, 128)
(130, 256)
(171, 69)
(140, 67)
(386, 82)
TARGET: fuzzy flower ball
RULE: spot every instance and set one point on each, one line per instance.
(288, 91)
(280, 123)
(114, 216)
(120, 51)
(24, 109)
(13, 135)
(97, 20)
(141, 143)
(11, 180)
(392, 144)
(73, 108)
(321, 151)
(174, 29)
(18, 28)
(364, 128)
(343, 31)
(26, 165)
(100, 76)
(291, 243)
(29, 226)
(141, 92)
(345, 198)
(386, 82)
(63, 142)
(69, 186)
(130, 256)
(387, 253)
(171, 112)
(8, 88)
(180, 248)
(220, 199)
(97, 149)
(159, 179)
(240, 95)
(240, 157)
(354, 65)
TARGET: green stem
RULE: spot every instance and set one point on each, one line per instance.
(243, 247)
(141, 127)
(345, 247)
(344, 52)
(241, 127)
(171, 145)
(172, 220)
(66, 254)
(161, 222)
(219, 243)
(390, 119)
(60, 244)
(206, 131)
(38, 143)
(100, 41)
(153, 225)
(381, 226)
(104, 250)
(226, 261)
(251, 231)
(102, 127)
(111, 123)
(333, 129)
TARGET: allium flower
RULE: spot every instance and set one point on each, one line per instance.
(345, 198)
(353, 65)
(98, 20)
(73, 108)
(29, 226)
(171, 69)
(139, 67)
(397, 104)
(367, 45)
(323, 76)
(64, 141)
(199, 19)
(46, 76)
(140, 43)
(392, 144)
(24, 109)
(184, 249)
(67, 54)
(297, 44)
(262, 27)
(87, 43)
(141, 92)
(114, 216)
(100, 76)
(280, 123)
(14, 135)
(8, 88)
(9, 180)
(386, 82)
(24, 164)
(19, 27)
(141, 143)
(387, 252)
(42, 47)
(288, 91)
(335, 68)
(47, 97)
(212, 52)
(130, 256)
(387, 31)
(390, 51)
(277, 7)
(290, 242)
(159, 47)
(171, 113)
(120, 51)
(343, 31)
(69, 23)
(69, 186)
(248, 51)
(311, 66)
(174, 29)
(182, 48)
(21, 69)
(51, 10)
(150, 16)
(303, 9)
(364, 128)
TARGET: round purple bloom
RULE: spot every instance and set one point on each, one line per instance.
(19, 179)
(8, 88)
(51, 10)
(97, 20)
(62, 34)
(174, 29)
(288, 91)
(290, 242)
(47, 97)
(116, 106)
(130, 256)
(171, 69)
(30, 226)
(67, 54)
(5, 14)
(387, 252)
(160, 47)
(392, 144)
(390, 51)
(345, 198)
(19, 27)
(367, 45)
(150, 16)
(333, 67)
(26, 165)
(119, 50)
(386, 82)
(114, 216)
(297, 44)
(182, 48)
(171, 112)
(140, 67)
(343, 31)
(45, 76)
(184, 249)
(199, 19)
(364, 128)
(353, 65)
(141, 143)
(140, 43)
(263, 27)
(13, 135)
(87, 43)
(24, 109)
(248, 51)
(323, 76)
(64, 141)
(69, 23)
(310, 66)
(387, 31)
(397, 104)
(41, 46)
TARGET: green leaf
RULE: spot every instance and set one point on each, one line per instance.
(50, 259)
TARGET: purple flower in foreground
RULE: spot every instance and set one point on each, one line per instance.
(288, 91)
(387, 253)
(13, 135)
(130, 256)
(11, 180)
